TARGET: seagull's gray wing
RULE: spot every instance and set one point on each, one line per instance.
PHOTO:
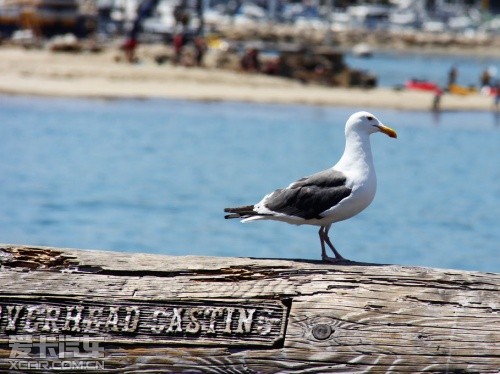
(310, 196)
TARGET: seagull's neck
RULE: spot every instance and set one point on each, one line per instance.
(357, 154)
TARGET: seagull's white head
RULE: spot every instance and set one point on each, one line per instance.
(364, 122)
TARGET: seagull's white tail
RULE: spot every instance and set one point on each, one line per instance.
(253, 218)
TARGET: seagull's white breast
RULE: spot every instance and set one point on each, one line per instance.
(363, 193)
(357, 165)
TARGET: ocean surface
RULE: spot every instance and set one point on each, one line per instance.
(394, 69)
(154, 176)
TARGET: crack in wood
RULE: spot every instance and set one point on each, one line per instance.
(432, 301)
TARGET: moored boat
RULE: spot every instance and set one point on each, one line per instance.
(421, 85)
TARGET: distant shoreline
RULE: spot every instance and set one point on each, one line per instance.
(473, 53)
(43, 73)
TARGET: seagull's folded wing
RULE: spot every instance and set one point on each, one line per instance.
(310, 196)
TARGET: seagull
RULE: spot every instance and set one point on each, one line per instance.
(331, 195)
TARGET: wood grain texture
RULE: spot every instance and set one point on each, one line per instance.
(349, 317)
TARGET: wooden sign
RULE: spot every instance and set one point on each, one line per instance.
(193, 322)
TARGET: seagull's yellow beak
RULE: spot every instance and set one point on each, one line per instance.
(387, 131)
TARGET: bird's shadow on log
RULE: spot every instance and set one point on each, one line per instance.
(343, 262)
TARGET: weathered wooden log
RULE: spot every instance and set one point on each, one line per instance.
(120, 312)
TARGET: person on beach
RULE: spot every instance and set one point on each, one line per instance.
(436, 101)
(128, 48)
(200, 48)
(178, 43)
(250, 61)
(485, 79)
(452, 76)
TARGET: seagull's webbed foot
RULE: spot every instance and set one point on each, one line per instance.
(335, 252)
(332, 260)
(323, 237)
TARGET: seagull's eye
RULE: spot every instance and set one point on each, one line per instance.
(369, 118)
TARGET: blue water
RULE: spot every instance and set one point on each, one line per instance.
(394, 69)
(154, 176)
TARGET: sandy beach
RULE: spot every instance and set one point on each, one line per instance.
(45, 73)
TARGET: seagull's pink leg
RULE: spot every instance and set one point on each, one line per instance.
(323, 236)
(322, 241)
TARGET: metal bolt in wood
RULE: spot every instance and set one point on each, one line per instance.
(322, 331)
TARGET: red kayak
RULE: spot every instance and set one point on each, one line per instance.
(421, 85)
